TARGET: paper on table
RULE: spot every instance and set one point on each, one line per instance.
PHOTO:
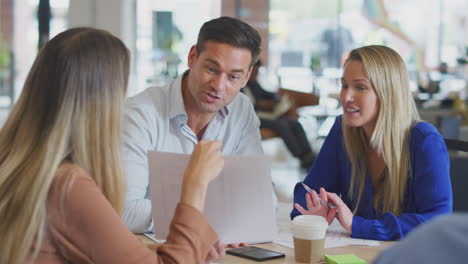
(336, 237)
(239, 202)
(151, 236)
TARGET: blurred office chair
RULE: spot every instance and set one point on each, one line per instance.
(450, 127)
(458, 174)
(433, 87)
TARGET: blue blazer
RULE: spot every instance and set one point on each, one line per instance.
(429, 191)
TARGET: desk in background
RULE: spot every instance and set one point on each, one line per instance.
(364, 252)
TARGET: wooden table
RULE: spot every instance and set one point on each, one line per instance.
(364, 252)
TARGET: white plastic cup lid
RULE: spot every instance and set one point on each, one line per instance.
(309, 227)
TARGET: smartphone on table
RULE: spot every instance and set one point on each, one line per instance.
(255, 253)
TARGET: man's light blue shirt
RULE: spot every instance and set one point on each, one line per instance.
(156, 119)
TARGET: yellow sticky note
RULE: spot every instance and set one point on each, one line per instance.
(344, 259)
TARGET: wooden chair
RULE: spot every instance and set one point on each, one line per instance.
(300, 99)
(267, 133)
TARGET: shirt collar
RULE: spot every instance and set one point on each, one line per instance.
(177, 107)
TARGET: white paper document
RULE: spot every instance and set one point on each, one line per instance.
(239, 202)
(336, 237)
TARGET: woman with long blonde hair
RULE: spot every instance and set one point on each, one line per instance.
(61, 184)
(390, 169)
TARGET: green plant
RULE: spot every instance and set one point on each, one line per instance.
(4, 56)
(463, 60)
(315, 63)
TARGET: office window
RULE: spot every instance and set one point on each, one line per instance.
(317, 34)
(165, 32)
(25, 31)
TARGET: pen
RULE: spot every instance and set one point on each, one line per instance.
(309, 190)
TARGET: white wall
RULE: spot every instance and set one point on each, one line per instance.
(25, 39)
(115, 16)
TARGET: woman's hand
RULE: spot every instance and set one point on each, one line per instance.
(236, 245)
(316, 207)
(218, 250)
(205, 165)
(206, 162)
(345, 216)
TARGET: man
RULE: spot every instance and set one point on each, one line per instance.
(289, 129)
(203, 103)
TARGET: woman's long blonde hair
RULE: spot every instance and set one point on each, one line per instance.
(387, 73)
(69, 111)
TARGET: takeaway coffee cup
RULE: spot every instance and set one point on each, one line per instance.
(309, 238)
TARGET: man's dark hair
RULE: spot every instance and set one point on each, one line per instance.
(230, 31)
(258, 63)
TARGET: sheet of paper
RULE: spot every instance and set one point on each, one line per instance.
(152, 237)
(239, 202)
(336, 237)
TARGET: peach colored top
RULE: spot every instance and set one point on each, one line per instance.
(84, 228)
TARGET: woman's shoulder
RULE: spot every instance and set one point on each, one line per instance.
(336, 131)
(70, 175)
(337, 124)
(424, 129)
(69, 169)
(71, 187)
(425, 134)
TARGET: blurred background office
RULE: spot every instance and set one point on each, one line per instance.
(304, 45)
